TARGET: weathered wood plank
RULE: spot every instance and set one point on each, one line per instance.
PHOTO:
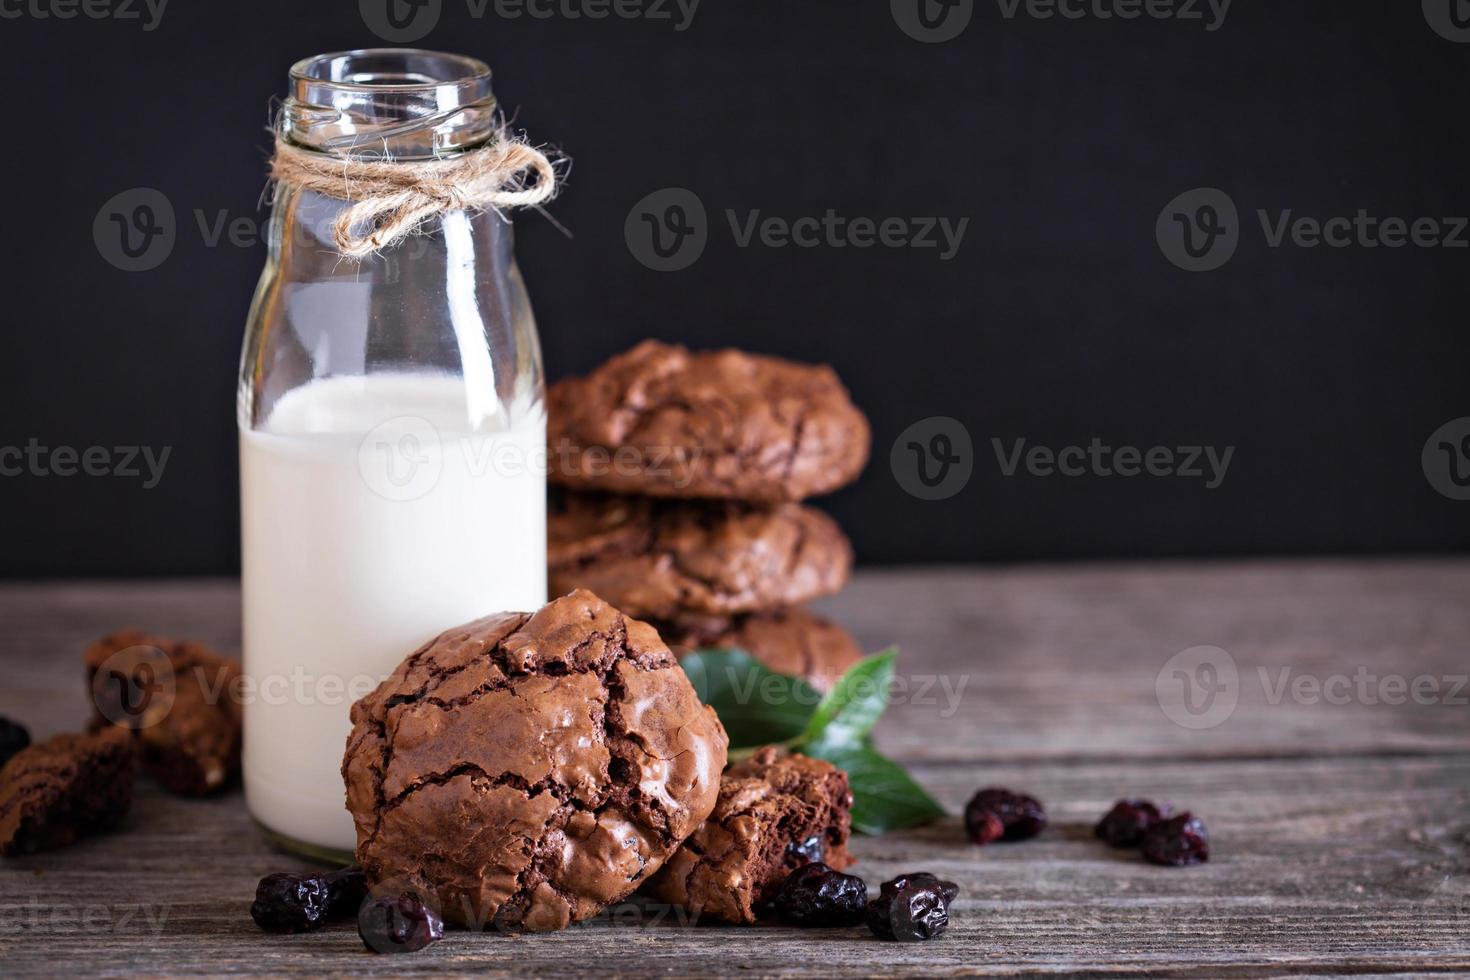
(1338, 865)
(1342, 832)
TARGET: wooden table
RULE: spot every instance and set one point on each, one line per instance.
(1341, 830)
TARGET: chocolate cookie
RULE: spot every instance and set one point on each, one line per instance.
(180, 700)
(65, 788)
(665, 421)
(791, 641)
(775, 813)
(530, 769)
(664, 558)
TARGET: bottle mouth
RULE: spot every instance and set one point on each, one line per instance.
(403, 103)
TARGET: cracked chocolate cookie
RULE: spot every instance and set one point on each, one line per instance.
(665, 421)
(179, 699)
(64, 788)
(775, 813)
(665, 558)
(530, 769)
(791, 641)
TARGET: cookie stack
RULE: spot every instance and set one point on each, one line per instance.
(683, 475)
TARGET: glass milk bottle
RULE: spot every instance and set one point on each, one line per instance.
(392, 433)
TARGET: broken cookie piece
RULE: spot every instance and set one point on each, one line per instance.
(53, 793)
(530, 769)
(181, 702)
(776, 812)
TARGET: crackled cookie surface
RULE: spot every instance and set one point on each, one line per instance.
(531, 768)
(662, 420)
(664, 558)
(776, 812)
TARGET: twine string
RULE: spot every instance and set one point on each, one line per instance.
(390, 199)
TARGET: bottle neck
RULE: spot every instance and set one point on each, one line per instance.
(398, 103)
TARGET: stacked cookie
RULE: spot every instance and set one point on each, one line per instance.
(683, 474)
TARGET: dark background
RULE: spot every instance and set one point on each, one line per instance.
(1059, 319)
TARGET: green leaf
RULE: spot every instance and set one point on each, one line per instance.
(856, 701)
(884, 796)
(756, 706)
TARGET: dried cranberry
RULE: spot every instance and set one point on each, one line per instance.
(815, 895)
(1020, 816)
(1128, 820)
(13, 738)
(1178, 842)
(290, 903)
(922, 879)
(346, 889)
(398, 924)
(983, 826)
(911, 908)
(811, 849)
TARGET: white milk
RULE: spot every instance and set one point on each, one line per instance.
(375, 513)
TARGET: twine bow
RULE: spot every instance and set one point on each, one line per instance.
(390, 199)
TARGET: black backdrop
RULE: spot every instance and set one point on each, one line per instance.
(1059, 319)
